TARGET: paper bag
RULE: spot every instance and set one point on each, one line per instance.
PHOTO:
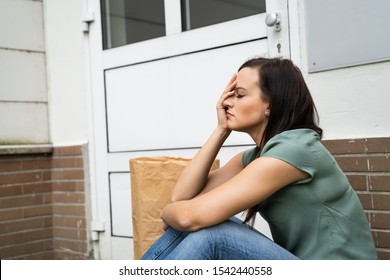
(152, 183)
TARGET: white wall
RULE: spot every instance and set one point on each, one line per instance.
(42, 72)
(23, 96)
(353, 102)
(66, 72)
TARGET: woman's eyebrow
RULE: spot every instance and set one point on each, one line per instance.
(239, 88)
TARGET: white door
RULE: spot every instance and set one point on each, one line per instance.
(154, 88)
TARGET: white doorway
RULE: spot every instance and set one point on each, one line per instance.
(163, 83)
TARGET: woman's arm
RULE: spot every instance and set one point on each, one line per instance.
(255, 183)
(221, 175)
(195, 176)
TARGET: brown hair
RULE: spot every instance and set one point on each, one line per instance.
(290, 101)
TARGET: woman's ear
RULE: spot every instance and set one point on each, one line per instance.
(267, 111)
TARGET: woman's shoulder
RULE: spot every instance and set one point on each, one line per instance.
(302, 138)
(294, 134)
(299, 147)
(294, 142)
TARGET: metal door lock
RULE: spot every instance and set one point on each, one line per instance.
(274, 19)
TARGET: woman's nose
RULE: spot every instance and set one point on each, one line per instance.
(228, 102)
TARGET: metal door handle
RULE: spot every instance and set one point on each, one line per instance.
(274, 19)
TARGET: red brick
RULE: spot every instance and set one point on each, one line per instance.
(40, 256)
(65, 174)
(70, 255)
(67, 151)
(21, 249)
(73, 162)
(38, 234)
(378, 145)
(380, 220)
(20, 201)
(47, 198)
(381, 201)
(69, 210)
(379, 163)
(11, 214)
(68, 186)
(382, 239)
(12, 238)
(21, 177)
(36, 164)
(25, 224)
(49, 244)
(37, 188)
(26, 236)
(379, 183)
(383, 254)
(69, 245)
(68, 198)
(345, 146)
(10, 190)
(36, 211)
(353, 164)
(70, 233)
(10, 166)
(358, 182)
(71, 222)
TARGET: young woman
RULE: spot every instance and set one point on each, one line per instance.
(289, 178)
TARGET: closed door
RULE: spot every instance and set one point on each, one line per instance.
(157, 70)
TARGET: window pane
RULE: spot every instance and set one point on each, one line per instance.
(199, 13)
(130, 21)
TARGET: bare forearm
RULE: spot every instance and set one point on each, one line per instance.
(176, 215)
(194, 177)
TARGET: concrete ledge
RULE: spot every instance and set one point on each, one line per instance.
(26, 149)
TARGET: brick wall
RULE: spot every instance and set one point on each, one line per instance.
(43, 212)
(366, 162)
(43, 204)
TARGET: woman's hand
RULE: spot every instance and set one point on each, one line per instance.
(165, 225)
(221, 109)
(195, 177)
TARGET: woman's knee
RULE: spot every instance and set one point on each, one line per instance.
(211, 235)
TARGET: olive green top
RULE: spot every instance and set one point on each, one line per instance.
(320, 217)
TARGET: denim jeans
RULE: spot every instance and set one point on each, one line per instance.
(230, 240)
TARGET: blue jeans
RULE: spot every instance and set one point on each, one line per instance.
(230, 240)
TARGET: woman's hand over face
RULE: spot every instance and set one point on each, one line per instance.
(221, 107)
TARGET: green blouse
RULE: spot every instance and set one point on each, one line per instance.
(320, 217)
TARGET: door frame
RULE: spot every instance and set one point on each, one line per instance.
(101, 161)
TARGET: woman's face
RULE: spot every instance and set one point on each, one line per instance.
(246, 110)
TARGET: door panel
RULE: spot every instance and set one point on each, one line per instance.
(170, 103)
(120, 201)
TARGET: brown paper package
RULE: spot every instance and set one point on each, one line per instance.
(152, 182)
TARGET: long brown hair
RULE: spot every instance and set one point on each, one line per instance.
(291, 104)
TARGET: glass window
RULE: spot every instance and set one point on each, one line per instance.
(200, 13)
(130, 21)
